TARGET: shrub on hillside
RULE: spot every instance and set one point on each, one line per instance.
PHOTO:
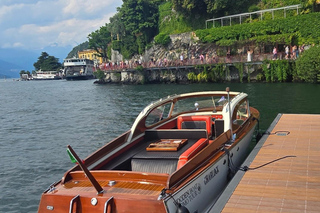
(308, 64)
(162, 39)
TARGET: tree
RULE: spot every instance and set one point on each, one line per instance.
(116, 27)
(46, 63)
(189, 7)
(24, 72)
(99, 41)
(140, 18)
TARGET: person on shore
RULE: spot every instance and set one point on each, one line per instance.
(297, 51)
(228, 56)
(275, 53)
(294, 52)
(181, 59)
(287, 51)
(249, 55)
(201, 58)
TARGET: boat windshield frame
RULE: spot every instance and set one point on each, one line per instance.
(172, 106)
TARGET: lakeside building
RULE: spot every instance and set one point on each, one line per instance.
(90, 54)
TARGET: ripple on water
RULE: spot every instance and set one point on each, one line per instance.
(39, 119)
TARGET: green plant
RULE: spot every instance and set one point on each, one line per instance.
(116, 45)
(162, 39)
(266, 70)
(192, 76)
(308, 64)
(99, 74)
(239, 67)
(302, 29)
(139, 68)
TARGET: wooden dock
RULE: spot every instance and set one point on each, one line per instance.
(291, 180)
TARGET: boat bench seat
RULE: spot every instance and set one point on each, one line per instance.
(195, 122)
(169, 161)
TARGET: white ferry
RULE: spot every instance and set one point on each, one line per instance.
(78, 69)
(46, 75)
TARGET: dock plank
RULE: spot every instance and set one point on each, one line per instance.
(288, 185)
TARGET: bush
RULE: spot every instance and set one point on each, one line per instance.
(308, 65)
(303, 28)
(162, 39)
(99, 74)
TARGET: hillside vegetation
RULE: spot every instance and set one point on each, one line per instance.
(138, 23)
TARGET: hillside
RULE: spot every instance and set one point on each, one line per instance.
(132, 29)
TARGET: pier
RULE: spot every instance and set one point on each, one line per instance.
(284, 170)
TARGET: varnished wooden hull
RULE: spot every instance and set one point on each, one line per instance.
(195, 185)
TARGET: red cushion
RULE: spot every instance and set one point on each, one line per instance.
(206, 119)
(192, 151)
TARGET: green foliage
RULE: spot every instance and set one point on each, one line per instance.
(99, 74)
(99, 41)
(212, 73)
(240, 68)
(173, 22)
(116, 45)
(286, 38)
(128, 46)
(162, 39)
(116, 27)
(303, 27)
(47, 63)
(277, 70)
(192, 77)
(308, 64)
(24, 72)
(140, 18)
(139, 68)
(226, 42)
(210, 7)
(200, 77)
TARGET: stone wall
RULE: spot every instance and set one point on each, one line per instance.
(179, 75)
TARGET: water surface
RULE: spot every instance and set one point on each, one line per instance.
(38, 119)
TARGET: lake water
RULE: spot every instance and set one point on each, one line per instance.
(38, 119)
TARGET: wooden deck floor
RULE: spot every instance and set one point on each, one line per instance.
(291, 184)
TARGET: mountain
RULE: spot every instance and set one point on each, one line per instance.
(9, 70)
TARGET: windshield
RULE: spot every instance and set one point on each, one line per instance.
(198, 103)
(158, 114)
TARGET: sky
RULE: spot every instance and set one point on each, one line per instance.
(56, 25)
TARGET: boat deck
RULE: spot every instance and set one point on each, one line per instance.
(289, 184)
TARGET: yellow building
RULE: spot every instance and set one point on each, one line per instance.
(90, 54)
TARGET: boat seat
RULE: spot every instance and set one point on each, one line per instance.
(154, 165)
(195, 122)
(192, 151)
(167, 161)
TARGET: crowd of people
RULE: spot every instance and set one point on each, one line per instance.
(207, 58)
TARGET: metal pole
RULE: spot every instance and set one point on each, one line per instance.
(230, 124)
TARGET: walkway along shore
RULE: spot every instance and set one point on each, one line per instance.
(260, 68)
(184, 74)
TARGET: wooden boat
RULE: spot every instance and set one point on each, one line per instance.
(178, 157)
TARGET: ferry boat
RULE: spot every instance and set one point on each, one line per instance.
(178, 156)
(78, 69)
(47, 75)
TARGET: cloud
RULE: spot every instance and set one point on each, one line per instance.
(35, 24)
